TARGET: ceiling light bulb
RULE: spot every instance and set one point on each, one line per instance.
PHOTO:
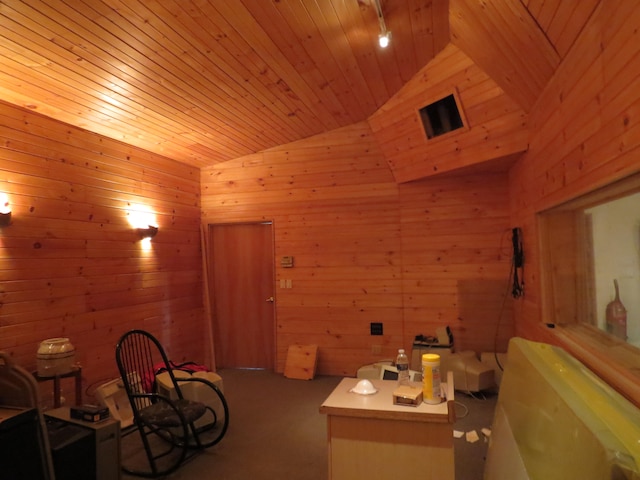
(383, 39)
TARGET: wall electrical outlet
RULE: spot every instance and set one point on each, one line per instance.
(376, 349)
(376, 328)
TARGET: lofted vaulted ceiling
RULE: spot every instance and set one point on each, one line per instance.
(207, 81)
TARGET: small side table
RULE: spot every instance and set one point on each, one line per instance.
(76, 372)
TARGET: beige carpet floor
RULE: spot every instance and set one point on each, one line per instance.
(276, 431)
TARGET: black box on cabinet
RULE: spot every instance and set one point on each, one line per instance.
(95, 446)
(89, 413)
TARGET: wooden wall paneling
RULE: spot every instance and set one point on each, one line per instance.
(574, 16)
(93, 56)
(435, 80)
(486, 34)
(56, 109)
(72, 266)
(321, 52)
(491, 148)
(378, 85)
(600, 69)
(185, 55)
(432, 33)
(620, 98)
(303, 63)
(204, 83)
(273, 58)
(212, 30)
(561, 22)
(34, 138)
(456, 257)
(618, 38)
(572, 101)
(494, 104)
(519, 34)
(496, 126)
(342, 230)
(555, 26)
(411, 59)
(561, 292)
(476, 95)
(543, 10)
(440, 27)
(222, 63)
(564, 79)
(357, 85)
(29, 127)
(423, 24)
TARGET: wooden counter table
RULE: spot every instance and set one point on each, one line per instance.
(370, 437)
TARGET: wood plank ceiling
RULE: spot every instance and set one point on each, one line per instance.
(207, 81)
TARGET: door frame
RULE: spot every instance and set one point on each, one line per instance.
(210, 293)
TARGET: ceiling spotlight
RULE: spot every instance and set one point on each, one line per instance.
(385, 36)
(383, 39)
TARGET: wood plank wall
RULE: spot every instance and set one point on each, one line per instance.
(334, 207)
(71, 264)
(506, 42)
(456, 251)
(586, 134)
(495, 126)
(366, 249)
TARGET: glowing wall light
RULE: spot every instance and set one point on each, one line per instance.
(5, 210)
(148, 232)
(143, 220)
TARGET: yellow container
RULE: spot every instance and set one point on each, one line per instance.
(431, 378)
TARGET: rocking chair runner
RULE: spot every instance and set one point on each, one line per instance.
(169, 427)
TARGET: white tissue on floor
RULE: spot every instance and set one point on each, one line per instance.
(472, 436)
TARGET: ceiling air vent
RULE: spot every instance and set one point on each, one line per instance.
(441, 116)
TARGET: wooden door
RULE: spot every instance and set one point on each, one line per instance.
(241, 286)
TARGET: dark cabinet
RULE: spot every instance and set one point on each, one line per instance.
(21, 456)
(83, 450)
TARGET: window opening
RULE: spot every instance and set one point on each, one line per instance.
(441, 116)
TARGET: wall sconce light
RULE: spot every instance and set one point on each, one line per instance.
(385, 36)
(5, 210)
(148, 232)
(5, 219)
(143, 221)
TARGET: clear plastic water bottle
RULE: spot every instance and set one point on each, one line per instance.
(402, 364)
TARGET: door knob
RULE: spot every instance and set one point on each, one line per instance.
(269, 299)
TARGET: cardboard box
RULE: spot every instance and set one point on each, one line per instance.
(407, 395)
(114, 396)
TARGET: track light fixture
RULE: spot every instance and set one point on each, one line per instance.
(385, 36)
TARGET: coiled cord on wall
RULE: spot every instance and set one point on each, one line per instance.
(515, 285)
(517, 263)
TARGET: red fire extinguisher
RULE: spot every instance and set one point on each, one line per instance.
(617, 316)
